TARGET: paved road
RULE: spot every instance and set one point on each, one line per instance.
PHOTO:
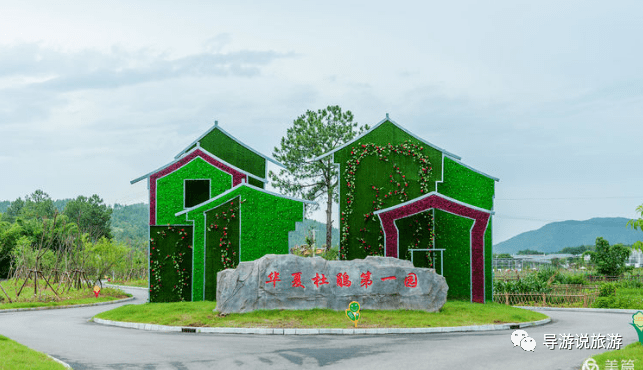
(67, 335)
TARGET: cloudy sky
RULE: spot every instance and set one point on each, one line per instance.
(545, 95)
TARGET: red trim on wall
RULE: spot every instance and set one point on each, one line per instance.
(237, 177)
(480, 218)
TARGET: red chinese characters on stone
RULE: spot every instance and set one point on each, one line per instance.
(366, 279)
(388, 278)
(411, 280)
(317, 280)
(273, 278)
(296, 280)
(343, 280)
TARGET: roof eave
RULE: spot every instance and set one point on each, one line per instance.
(211, 200)
(207, 153)
(216, 125)
(376, 126)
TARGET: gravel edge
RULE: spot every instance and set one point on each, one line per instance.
(281, 331)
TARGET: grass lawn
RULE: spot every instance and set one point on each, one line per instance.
(630, 298)
(200, 314)
(46, 297)
(15, 356)
(633, 352)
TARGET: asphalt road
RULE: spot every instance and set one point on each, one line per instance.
(67, 335)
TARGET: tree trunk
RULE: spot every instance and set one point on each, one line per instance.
(329, 219)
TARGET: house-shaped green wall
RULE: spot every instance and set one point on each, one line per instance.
(404, 197)
(208, 212)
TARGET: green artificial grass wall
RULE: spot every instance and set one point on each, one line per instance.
(418, 235)
(453, 233)
(255, 182)
(466, 185)
(488, 268)
(221, 243)
(169, 189)
(170, 263)
(384, 168)
(382, 162)
(264, 220)
(224, 147)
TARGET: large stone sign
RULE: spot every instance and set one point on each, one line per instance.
(298, 283)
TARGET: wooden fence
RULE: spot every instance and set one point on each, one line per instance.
(582, 299)
(614, 278)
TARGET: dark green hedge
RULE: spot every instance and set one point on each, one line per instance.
(170, 263)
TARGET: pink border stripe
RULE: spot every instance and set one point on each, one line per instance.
(237, 177)
(435, 201)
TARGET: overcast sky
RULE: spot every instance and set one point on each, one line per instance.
(545, 95)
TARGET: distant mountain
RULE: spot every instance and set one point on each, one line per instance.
(557, 235)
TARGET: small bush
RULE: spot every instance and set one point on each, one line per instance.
(607, 290)
(633, 284)
(615, 302)
(528, 284)
(331, 254)
(546, 273)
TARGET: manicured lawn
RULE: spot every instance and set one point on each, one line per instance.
(46, 297)
(15, 356)
(200, 314)
(633, 352)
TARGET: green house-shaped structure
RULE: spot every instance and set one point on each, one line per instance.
(401, 196)
(209, 211)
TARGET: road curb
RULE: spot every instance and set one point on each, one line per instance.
(67, 306)
(66, 365)
(282, 331)
(580, 309)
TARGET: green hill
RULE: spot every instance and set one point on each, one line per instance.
(555, 236)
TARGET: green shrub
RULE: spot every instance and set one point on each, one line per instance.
(607, 290)
(635, 284)
(528, 284)
(331, 254)
(624, 302)
(545, 274)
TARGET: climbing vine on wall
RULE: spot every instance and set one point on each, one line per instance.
(170, 263)
(421, 236)
(222, 225)
(384, 196)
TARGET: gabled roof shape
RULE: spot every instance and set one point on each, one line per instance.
(204, 152)
(396, 125)
(216, 126)
(238, 176)
(474, 170)
(225, 194)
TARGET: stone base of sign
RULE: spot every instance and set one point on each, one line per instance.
(297, 283)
